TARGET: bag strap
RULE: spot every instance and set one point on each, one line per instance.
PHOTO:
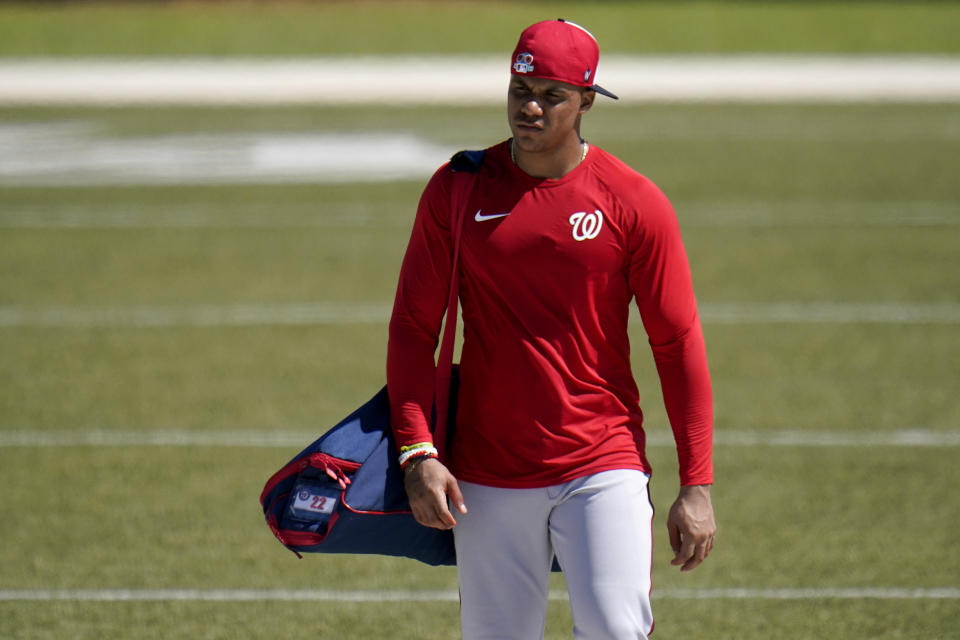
(465, 165)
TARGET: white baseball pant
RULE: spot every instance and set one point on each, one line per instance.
(598, 526)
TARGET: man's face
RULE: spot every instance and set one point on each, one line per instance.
(544, 113)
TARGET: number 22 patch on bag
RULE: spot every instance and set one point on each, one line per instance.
(313, 502)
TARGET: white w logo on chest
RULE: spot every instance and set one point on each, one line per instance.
(586, 225)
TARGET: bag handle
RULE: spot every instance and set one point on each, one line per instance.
(465, 165)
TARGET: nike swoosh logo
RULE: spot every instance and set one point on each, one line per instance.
(490, 216)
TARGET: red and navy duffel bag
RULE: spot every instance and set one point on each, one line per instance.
(344, 494)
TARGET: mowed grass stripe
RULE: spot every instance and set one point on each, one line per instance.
(326, 313)
(451, 595)
(295, 439)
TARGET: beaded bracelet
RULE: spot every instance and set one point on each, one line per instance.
(428, 450)
(423, 450)
(415, 460)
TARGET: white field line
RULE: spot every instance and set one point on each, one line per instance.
(76, 153)
(201, 315)
(830, 313)
(70, 154)
(478, 80)
(325, 313)
(451, 595)
(746, 213)
(336, 216)
(297, 439)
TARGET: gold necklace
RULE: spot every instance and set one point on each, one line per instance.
(583, 152)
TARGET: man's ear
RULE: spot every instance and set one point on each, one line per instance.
(586, 100)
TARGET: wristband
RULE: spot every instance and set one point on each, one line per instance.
(424, 450)
(418, 445)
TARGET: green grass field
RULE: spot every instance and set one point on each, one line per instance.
(777, 204)
(344, 28)
(850, 205)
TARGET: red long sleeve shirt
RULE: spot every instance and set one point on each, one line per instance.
(548, 270)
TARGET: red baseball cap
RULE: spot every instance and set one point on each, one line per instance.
(558, 50)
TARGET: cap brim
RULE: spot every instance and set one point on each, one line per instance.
(600, 89)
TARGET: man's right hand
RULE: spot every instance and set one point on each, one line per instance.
(429, 483)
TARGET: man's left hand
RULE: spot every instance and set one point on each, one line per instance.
(692, 527)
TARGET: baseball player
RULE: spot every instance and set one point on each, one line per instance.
(547, 458)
